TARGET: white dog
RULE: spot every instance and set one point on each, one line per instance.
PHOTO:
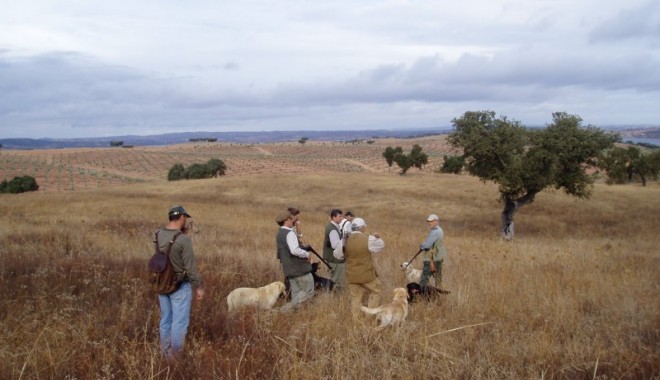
(391, 313)
(263, 297)
(412, 274)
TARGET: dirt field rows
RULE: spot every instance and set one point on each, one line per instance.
(91, 168)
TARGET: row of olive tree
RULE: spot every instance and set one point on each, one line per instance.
(416, 158)
(213, 168)
(19, 185)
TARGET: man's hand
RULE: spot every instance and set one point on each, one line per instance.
(199, 292)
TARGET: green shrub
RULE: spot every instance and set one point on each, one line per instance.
(19, 185)
(176, 172)
(213, 168)
(452, 164)
(197, 171)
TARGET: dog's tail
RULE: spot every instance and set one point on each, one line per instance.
(370, 310)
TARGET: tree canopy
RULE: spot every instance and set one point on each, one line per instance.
(523, 161)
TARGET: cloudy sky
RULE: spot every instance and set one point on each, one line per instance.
(107, 68)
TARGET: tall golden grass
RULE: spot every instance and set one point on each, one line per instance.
(575, 295)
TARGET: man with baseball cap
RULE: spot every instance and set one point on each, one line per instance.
(175, 307)
(434, 252)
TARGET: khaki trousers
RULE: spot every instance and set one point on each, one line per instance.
(357, 292)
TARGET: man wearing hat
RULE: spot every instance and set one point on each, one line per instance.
(295, 260)
(175, 307)
(361, 275)
(434, 252)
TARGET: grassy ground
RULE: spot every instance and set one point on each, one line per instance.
(575, 295)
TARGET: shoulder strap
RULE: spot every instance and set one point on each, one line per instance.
(169, 247)
(156, 248)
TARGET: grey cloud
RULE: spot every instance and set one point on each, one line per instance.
(637, 23)
(507, 76)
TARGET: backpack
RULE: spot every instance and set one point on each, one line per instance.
(161, 273)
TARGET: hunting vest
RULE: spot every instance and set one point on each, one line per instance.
(438, 252)
(292, 266)
(359, 265)
(327, 247)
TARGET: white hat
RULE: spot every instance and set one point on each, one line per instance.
(358, 223)
(432, 217)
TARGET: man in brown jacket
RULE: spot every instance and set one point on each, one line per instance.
(361, 276)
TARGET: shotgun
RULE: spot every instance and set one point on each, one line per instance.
(413, 258)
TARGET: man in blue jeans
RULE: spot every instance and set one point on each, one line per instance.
(175, 307)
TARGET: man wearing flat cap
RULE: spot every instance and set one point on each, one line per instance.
(295, 260)
(434, 252)
(175, 307)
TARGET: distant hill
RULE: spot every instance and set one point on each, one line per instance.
(640, 131)
(236, 137)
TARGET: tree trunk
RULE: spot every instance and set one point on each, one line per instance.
(510, 207)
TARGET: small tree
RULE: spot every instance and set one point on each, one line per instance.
(216, 167)
(303, 140)
(624, 164)
(416, 158)
(177, 172)
(116, 143)
(452, 164)
(524, 162)
(19, 185)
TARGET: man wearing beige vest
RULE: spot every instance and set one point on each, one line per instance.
(361, 276)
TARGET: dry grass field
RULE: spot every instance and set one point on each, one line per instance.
(574, 296)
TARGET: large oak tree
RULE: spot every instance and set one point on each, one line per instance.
(523, 161)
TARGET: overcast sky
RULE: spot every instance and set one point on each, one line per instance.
(107, 68)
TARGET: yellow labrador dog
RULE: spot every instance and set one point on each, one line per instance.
(263, 297)
(393, 313)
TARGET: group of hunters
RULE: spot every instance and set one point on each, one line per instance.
(347, 249)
